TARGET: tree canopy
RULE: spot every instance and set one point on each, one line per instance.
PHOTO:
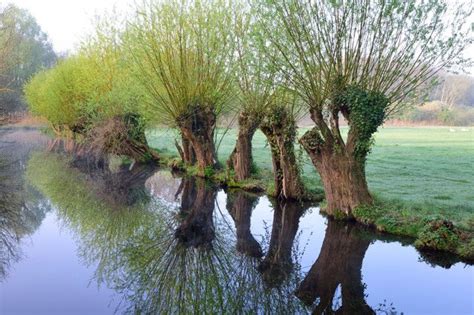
(24, 50)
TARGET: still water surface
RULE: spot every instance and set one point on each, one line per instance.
(77, 238)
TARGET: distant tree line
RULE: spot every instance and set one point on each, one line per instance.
(450, 102)
(24, 50)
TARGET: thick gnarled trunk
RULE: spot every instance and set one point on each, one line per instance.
(240, 159)
(276, 163)
(342, 175)
(281, 134)
(197, 127)
(341, 162)
(186, 151)
(121, 135)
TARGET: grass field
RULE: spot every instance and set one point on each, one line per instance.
(432, 164)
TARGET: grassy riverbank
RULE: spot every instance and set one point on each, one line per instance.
(422, 178)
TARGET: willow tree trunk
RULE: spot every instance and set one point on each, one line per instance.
(240, 159)
(342, 175)
(339, 263)
(188, 156)
(240, 205)
(281, 135)
(120, 135)
(197, 126)
(276, 163)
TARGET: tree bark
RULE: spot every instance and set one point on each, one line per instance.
(339, 263)
(186, 151)
(197, 127)
(240, 159)
(281, 135)
(276, 163)
(240, 206)
(342, 175)
(121, 135)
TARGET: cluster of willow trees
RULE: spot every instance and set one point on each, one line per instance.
(185, 64)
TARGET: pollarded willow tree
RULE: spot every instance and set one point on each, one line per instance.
(359, 60)
(62, 95)
(257, 85)
(118, 115)
(265, 103)
(93, 97)
(279, 125)
(183, 50)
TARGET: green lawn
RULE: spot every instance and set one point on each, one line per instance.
(430, 167)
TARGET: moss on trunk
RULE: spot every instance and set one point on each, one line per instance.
(197, 126)
(279, 127)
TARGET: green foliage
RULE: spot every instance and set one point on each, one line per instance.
(389, 47)
(90, 87)
(24, 50)
(367, 111)
(209, 172)
(254, 168)
(440, 235)
(182, 51)
(255, 76)
(64, 94)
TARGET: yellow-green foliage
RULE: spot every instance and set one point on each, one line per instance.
(183, 51)
(62, 94)
(89, 87)
(117, 91)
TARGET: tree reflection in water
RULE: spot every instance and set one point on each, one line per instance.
(240, 205)
(191, 258)
(22, 209)
(339, 264)
(196, 228)
(186, 262)
(278, 264)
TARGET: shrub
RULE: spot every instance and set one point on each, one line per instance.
(63, 94)
(440, 235)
